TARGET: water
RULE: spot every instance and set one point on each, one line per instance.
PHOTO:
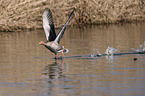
(26, 68)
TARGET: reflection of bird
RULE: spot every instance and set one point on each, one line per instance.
(110, 51)
(53, 71)
(52, 40)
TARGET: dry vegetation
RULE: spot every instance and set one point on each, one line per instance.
(21, 14)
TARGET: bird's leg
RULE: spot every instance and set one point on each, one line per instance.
(62, 53)
(62, 64)
(55, 56)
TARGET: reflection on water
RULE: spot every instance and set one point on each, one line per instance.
(53, 71)
(22, 74)
(110, 58)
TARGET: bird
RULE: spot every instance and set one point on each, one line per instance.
(52, 40)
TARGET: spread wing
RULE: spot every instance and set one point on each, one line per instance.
(48, 25)
(61, 32)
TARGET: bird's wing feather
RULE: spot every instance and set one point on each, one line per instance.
(48, 25)
(61, 32)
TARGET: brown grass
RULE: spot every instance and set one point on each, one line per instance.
(23, 14)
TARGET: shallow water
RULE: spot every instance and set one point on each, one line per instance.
(26, 68)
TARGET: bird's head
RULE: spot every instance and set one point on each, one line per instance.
(41, 43)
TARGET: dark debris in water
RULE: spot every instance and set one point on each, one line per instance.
(135, 59)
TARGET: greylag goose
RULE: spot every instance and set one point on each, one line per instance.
(53, 40)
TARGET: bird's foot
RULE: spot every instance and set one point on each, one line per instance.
(58, 57)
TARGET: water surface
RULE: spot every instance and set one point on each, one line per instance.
(26, 68)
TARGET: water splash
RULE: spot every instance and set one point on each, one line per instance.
(110, 51)
(141, 49)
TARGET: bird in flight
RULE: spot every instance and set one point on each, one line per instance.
(53, 40)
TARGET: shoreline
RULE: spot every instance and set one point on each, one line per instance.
(27, 14)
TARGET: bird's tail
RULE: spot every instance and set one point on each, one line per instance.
(65, 50)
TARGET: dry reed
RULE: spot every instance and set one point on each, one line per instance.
(23, 14)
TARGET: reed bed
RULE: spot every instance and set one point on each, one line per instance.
(16, 15)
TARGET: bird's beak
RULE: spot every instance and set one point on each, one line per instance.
(40, 42)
